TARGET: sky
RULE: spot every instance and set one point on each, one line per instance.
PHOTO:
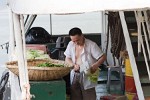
(3, 3)
(4, 30)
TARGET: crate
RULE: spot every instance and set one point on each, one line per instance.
(48, 90)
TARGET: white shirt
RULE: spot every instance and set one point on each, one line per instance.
(91, 53)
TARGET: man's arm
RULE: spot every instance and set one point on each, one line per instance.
(70, 62)
(98, 63)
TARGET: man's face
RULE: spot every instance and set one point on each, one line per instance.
(77, 39)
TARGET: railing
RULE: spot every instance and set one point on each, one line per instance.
(5, 45)
(142, 23)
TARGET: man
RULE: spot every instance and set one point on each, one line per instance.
(79, 51)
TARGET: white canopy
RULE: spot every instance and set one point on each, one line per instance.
(74, 6)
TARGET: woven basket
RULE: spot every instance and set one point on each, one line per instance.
(41, 73)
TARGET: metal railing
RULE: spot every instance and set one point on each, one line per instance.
(144, 35)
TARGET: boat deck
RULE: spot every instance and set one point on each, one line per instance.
(115, 87)
(102, 90)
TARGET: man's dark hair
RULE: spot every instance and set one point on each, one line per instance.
(75, 31)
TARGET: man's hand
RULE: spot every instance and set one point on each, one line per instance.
(93, 68)
(76, 68)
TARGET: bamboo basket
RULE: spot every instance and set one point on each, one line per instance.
(41, 73)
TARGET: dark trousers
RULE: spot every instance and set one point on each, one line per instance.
(78, 92)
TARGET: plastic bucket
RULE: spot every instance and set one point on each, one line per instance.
(131, 96)
(130, 84)
(128, 70)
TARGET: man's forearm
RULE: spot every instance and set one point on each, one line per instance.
(69, 61)
(100, 60)
(98, 63)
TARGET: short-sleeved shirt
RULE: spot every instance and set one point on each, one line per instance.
(91, 53)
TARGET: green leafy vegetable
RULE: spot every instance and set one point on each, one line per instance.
(94, 77)
(48, 64)
(36, 54)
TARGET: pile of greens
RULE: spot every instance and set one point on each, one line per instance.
(49, 64)
(33, 54)
(36, 54)
(94, 77)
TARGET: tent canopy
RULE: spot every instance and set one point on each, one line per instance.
(74, 6)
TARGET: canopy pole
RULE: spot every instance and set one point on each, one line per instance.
(29, 22)
(25, 60)
(50, 21)
(23, 72)
(11, 38)
(131, 56)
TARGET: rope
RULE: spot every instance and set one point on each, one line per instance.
(116, 34)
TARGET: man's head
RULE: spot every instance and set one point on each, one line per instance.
(76, 36)
(75, 31)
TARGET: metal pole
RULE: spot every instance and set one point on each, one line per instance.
(50, 20)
